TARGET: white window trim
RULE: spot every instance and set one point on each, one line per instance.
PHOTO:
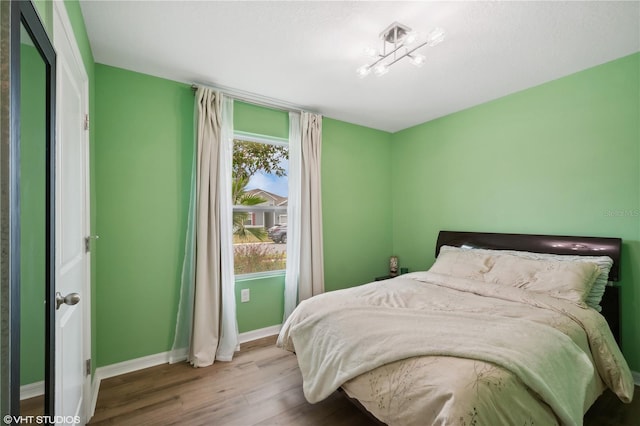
(257, 275)
(241, 208)
(252, 137)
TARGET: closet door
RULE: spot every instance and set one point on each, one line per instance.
(73, 241)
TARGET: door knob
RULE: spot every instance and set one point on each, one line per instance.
(69, 299)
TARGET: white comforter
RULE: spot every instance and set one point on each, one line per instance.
(367, 338)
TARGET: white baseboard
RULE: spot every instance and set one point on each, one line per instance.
(636, 377)
(31, 390)
(260, 333)
(132, 365)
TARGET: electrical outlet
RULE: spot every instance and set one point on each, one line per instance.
(245, 295)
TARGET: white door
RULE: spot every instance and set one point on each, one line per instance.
(72, 384)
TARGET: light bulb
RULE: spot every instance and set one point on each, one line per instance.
(417, 59)
(370, 51)
(410, 37)
(380, 69)
(435, 37)
(363, 71)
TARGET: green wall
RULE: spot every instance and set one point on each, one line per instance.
(32, 220)
(266, 306)
(259, 120)
(356, 208)
(560, 158)
(144, 149)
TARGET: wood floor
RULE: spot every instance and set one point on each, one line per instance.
(261, 386)
(32, 406)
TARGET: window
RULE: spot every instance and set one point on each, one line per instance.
(260, 190)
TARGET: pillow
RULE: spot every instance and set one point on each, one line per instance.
(470, 264)
(565, 280)
(597, 290)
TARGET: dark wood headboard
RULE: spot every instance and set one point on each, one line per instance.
(554, 244)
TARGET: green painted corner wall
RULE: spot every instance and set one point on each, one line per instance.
(144, 150)
(356, 203)
(560, 158)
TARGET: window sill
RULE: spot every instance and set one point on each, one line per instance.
(258, 275)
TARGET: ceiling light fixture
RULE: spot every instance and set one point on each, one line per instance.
(396, 44)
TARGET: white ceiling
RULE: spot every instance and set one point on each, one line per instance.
(306, 53)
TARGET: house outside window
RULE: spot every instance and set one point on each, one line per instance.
(260, 197)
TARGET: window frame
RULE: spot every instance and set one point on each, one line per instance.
(270, 140)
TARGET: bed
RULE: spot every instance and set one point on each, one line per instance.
(502, 329)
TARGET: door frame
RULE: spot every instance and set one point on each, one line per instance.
(60, 16)
(16, 13)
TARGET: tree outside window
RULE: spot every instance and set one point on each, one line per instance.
(260, 197)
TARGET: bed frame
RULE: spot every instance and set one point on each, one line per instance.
(554, 244)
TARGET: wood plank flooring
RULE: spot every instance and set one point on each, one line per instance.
(261, 386)
(32, 406)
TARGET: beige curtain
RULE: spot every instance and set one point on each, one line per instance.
(305, 260)
(214, 331)
(311, 254)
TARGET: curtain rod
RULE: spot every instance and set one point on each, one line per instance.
(253, 98)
